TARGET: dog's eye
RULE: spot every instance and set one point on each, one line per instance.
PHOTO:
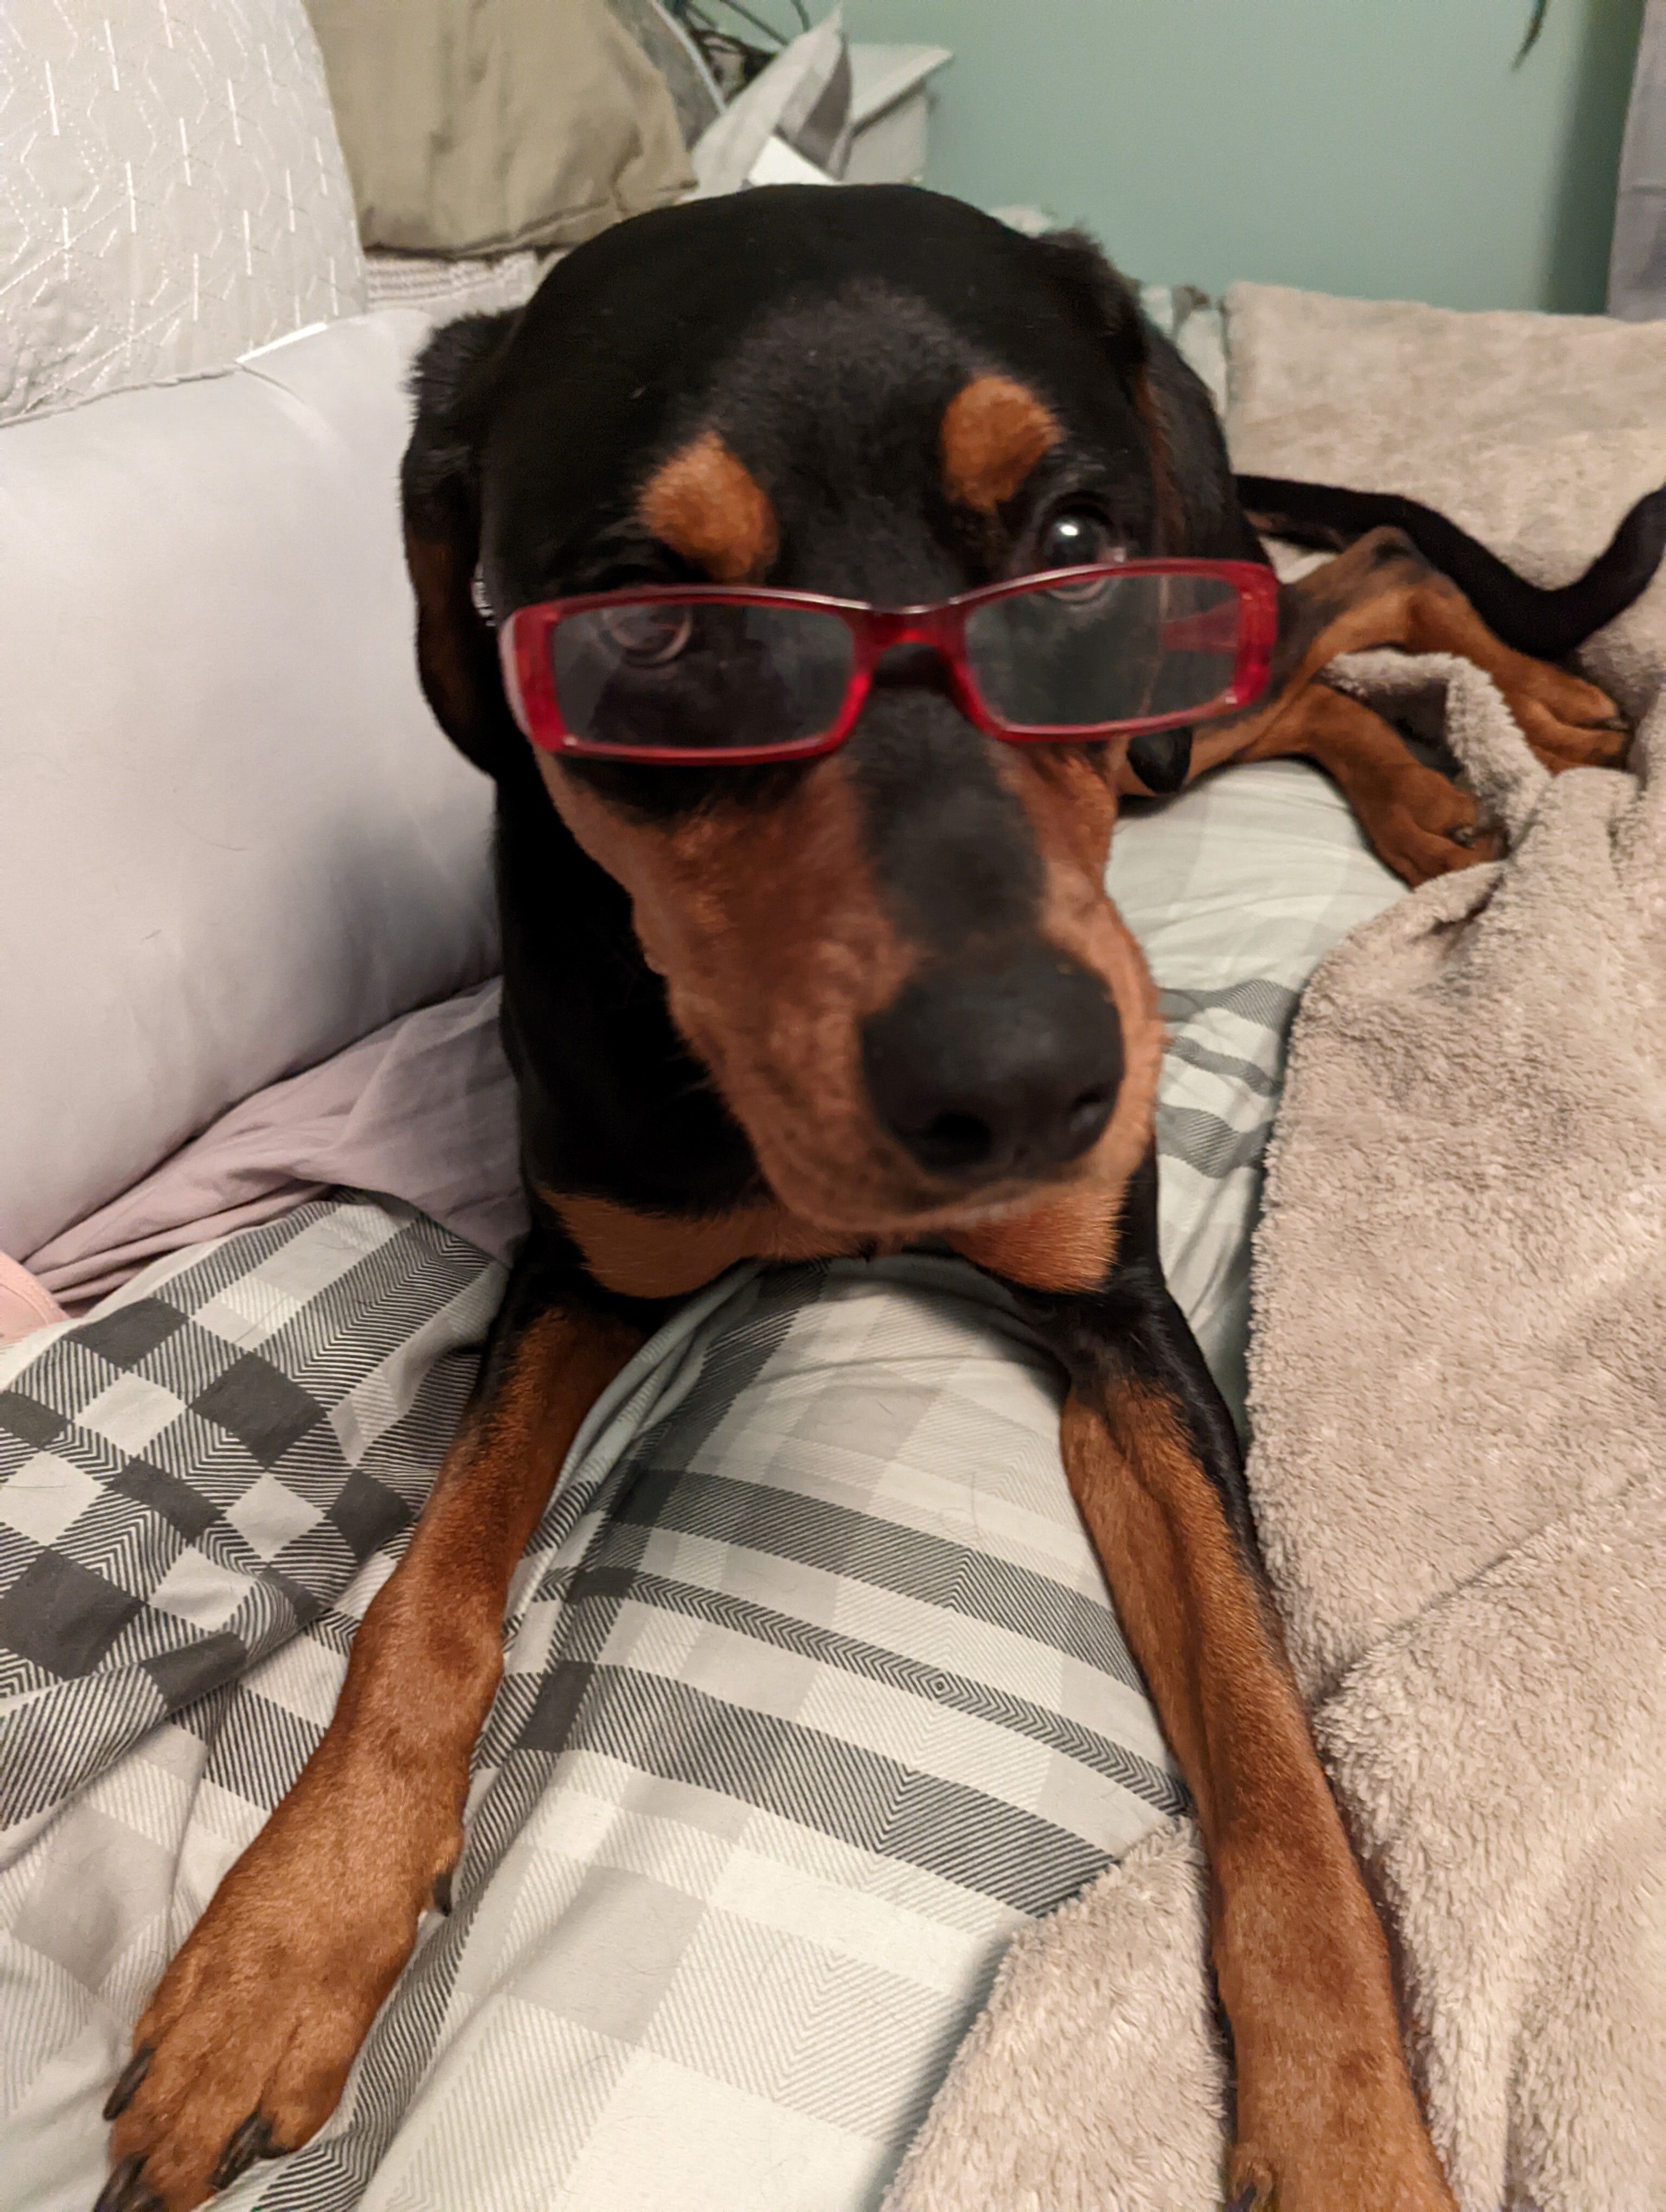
(646, 636)
(1076, 539)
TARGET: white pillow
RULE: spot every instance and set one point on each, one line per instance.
(232, 838)
(1236, 890)
(173, 192)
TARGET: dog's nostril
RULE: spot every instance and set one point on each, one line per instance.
(954, 1140)
(1089, 1113)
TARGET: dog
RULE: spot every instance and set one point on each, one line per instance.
(807, 952)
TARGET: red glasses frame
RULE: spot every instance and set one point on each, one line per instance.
(524, 649)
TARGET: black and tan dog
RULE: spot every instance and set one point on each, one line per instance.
(870, 998)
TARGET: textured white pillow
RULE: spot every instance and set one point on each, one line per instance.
(1236, 890)
(171, 192)
(232, 838)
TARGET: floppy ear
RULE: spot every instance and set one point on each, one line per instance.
(453, 382)
(1101, 296)
(1197, 506)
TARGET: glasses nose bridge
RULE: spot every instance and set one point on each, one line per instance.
(931, 626)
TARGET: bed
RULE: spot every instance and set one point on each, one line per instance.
(814, 1695)
(814, 1701)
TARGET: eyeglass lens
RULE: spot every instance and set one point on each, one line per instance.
(691, 675)
(1110, 650)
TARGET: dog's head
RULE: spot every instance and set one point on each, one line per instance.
(896, 960)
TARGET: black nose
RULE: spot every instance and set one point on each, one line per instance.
(992, 1072)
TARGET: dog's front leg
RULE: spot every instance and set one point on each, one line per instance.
(1327, 2118)
(243, 2049)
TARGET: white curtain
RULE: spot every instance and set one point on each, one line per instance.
(1636, 266)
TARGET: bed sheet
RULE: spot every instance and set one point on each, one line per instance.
(814, 1693)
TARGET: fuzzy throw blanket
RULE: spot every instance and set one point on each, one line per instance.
(1458, 1382)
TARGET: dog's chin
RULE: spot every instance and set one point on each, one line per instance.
(877, 1200)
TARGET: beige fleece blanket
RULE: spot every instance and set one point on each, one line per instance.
(1458, 1384)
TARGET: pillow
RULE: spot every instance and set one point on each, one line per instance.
(668, 46)
(471, 126)
(812, 1695)
(802, 98)
(1236, 890)
(233, 839)
(173, 192)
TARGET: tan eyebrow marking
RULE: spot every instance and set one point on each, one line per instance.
(994, 432)
(706, 505)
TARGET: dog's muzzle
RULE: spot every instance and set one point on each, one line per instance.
(985, 1074)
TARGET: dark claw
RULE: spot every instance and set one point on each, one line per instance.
(118, 2193)
(252, 2141)
(127, 2082)
(442, 1891)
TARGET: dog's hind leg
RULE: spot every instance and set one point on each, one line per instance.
(1383, 591)
(244, 2048)
(1326, 2116)
(1568, 722)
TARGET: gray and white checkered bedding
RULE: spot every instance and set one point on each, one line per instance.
(812, 1695)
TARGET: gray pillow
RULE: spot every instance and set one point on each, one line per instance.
(473, 126)
(667, 45)
(173, 192)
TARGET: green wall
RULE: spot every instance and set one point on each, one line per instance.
(1384, 147)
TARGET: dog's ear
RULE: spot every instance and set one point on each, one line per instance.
(1197, 508)
(1108, 304)
(1101, 296)
(453, 382)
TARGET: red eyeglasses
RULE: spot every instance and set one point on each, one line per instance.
(703, 673)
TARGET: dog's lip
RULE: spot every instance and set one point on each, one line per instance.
(934, 1216)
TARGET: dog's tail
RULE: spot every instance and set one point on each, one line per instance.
(1546, 623)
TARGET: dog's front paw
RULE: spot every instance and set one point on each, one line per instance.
(244, 2049)
(1327, 2117)
(1332, 2124)
(1377, 2166)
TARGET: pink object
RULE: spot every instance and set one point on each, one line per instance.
(422, 1109)
(25, 1305)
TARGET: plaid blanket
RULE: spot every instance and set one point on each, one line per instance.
(813, 1695)
(1236, 892)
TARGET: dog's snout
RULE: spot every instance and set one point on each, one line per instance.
(998, 1072)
